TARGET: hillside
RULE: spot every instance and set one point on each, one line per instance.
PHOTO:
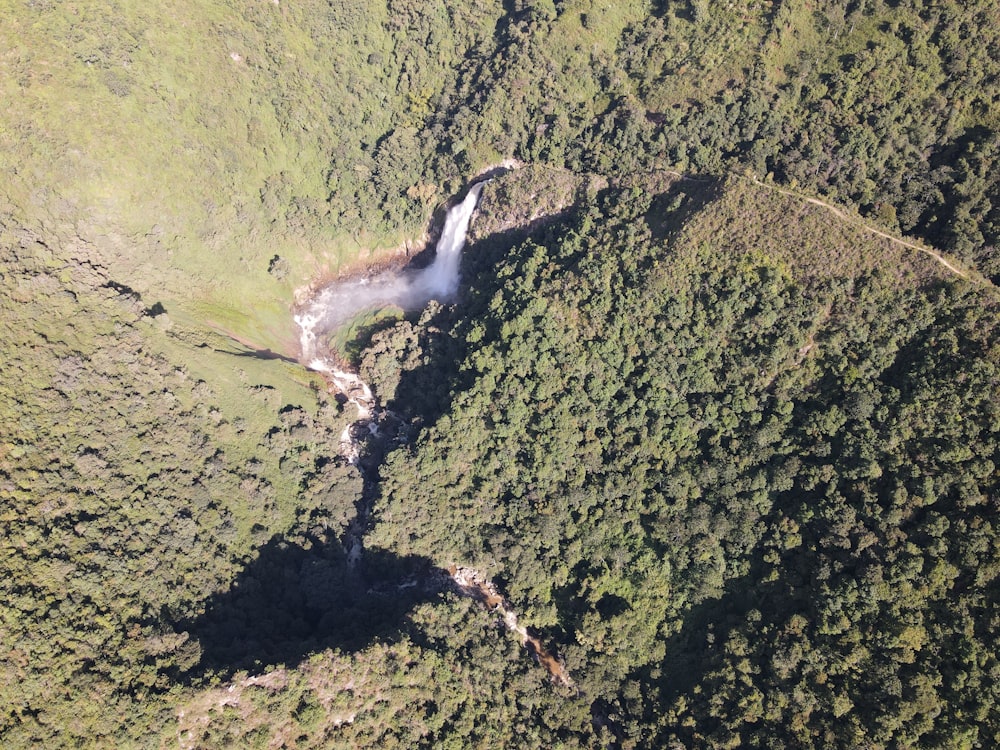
(210, 152)
(733, 479)
(715, 410)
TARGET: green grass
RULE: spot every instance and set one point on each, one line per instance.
(351, 339)
(188, 145)
(807, 240)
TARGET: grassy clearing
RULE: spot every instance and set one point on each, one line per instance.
(813, 244)
(350, 340)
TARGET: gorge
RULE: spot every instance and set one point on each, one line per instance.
(408, 289)
(333, 307)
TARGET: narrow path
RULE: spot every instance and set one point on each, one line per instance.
(840, 214)
(843, 216)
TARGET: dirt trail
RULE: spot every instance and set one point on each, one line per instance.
(842, 215)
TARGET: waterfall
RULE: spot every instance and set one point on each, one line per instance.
(411, 290)
(440, 278)
(336, 304)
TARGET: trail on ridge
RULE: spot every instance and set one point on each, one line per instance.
(843, 216)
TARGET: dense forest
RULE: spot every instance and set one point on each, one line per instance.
(716, 409)
(751, 495)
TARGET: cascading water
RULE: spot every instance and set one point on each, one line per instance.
(440, 278)
(411, 290)
(335, 306)
(338, 303)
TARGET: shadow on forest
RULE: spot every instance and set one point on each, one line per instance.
(671, 209)
(302, 596)
(364, 335)
(699, 646)
(426, 391)
(296, 599)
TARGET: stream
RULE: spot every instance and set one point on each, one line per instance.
(334, 306)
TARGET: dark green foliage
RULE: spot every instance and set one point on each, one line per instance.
(130, 489)
(733, 455)
(877, 104)
(744, 499)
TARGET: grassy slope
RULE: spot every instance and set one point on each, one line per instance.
(188, 145)
(811, 242)
(135, 474)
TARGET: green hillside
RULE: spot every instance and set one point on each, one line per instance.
(716, 410)
(186, 148)
(735, 484)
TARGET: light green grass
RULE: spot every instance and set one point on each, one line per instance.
(189, 144)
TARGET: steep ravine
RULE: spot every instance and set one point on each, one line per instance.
(366, 440)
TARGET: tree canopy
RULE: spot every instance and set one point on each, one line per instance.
(716, 410)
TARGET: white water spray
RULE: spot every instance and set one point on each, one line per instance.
(338, 303)
(440, 278)
(411, 290)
